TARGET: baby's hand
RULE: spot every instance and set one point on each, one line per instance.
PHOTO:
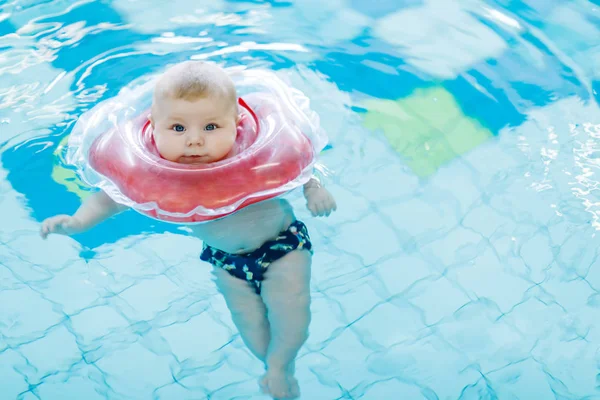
(61, 224)
(319, 201)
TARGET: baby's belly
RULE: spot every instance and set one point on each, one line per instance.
(247, 229)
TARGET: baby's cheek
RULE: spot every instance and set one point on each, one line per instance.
(166, 148)
(159, 143)
(232, 137)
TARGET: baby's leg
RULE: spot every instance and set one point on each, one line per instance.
(248, 311)
(286, 293)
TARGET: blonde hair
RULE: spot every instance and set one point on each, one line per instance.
(192, 80)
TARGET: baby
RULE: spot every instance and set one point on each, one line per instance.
(261, 254)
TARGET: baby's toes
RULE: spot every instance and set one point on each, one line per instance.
(279, 390)
(263, 384)
(294, 387)
(278, 387)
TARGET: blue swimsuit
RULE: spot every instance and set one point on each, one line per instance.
(251, 266)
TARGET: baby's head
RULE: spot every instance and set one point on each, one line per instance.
(194, 113)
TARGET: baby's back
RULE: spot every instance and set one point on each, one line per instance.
(247, 229)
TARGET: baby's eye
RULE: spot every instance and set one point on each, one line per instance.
(210, 127)
(178, 128)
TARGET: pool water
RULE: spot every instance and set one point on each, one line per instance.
(462, 263)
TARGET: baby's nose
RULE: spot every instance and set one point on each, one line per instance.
(195, 139)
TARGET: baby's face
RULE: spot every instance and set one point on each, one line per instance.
(194, 132)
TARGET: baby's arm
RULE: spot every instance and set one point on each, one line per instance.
(318, 199)
(92, 211)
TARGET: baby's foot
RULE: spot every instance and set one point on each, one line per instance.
(280, 385)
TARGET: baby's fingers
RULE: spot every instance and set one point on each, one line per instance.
(44, 230)
(316, 209)
(312, 208)
(52, 225)
(47, 228)
(321, 209)
(333, 203)
(328, 209)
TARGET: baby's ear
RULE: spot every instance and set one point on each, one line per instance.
(151, 119)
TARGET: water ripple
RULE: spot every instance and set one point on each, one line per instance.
(463, 261)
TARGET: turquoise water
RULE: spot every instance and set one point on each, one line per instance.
(462, 262)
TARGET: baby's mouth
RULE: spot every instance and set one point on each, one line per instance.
(193, 159)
